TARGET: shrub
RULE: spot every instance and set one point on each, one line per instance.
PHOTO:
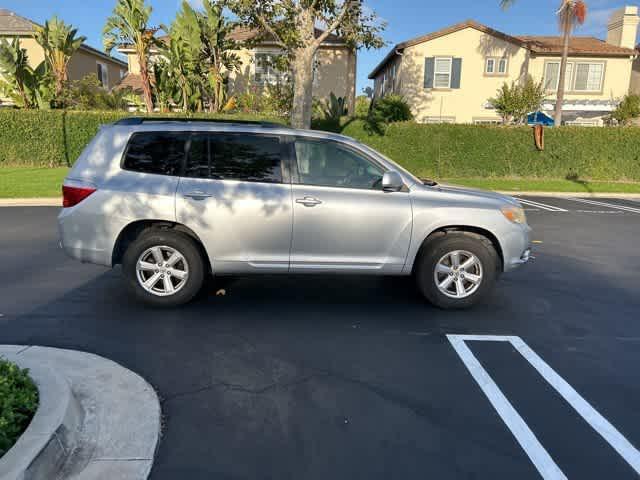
(627, 109)
(18, 403)
(495, 151)
(514, 102)
(362, 106)
(392, 108)
(386, 110)
(53, 138)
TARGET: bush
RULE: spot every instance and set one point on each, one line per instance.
(41, 138)
(18, 403)
(37, 138)
(392, 108)
(513, 102)
(386, 110)
(627, 109)
(362, 106)
(495, 151)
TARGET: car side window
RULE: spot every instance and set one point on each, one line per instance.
(329, 164)
(244, 157)
(161, 153)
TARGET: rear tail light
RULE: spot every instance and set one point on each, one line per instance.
(72, 195)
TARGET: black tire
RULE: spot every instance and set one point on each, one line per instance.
(178, 241)
(442, 244)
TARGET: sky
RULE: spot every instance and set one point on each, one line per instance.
(405, 19)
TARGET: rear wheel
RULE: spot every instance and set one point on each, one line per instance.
(457, 269)
(163, 268)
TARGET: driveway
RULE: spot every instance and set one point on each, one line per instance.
(353, 377)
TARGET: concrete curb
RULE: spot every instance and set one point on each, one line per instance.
(41, 449)
(31, 202)
(96, 419)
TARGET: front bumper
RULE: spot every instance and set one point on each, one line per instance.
(517, 247)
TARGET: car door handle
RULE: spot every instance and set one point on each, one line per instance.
(308, 201)
(198, 195)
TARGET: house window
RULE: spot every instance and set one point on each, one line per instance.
(266, 72)
(588, 77)
(103, 74)
(580, 77)
(487, 121)
(502, 65)
(495, 66)
(442, 78)
(438, 119)
(491, 65)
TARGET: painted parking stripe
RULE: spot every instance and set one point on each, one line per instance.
(550, 208)
(604, 204)
(525, 437)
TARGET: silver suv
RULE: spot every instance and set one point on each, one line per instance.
(173, 201)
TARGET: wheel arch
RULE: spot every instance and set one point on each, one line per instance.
(134, 229)
(442, 231)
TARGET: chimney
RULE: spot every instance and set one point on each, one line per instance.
(623, 27)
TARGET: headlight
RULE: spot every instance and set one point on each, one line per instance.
(514, 214)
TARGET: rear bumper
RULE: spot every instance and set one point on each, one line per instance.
(80, 240)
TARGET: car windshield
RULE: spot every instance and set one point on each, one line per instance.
(375, 153)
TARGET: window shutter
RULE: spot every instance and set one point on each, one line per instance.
(456, 72)
(429, 68)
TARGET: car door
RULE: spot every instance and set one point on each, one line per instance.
(342, 218)
(235, 195)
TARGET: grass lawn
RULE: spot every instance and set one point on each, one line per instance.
(24, 182)
(47, 182)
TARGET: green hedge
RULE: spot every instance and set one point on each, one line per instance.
(36, 138)
(488, 151)
(18, 403)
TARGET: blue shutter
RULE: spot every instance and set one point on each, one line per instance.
(456, 72)
(429, 69)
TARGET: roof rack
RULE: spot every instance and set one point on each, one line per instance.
(131, 121)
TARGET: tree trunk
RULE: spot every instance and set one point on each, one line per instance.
(302, 89)
(557, 121)
(302, 69)
(146, 83)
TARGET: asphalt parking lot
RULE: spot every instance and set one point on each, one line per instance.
(354, 377)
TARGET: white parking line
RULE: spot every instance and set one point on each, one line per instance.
(525, 437)
(604, 204)
(550, 208)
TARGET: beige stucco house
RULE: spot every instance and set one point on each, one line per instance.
(449, 75)
(85, 61)
(334, 70)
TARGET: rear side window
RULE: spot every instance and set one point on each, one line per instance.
(161, 153)
(249, 158)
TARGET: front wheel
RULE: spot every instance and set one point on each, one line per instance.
(457, 270)
(163, 268)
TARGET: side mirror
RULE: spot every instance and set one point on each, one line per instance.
(392, 181)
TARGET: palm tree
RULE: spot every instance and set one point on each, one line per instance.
(129, 24)
(571, 14)
(59, 42)
(28, 87)
(217, 51)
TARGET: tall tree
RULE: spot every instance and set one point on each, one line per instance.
(291, 24)
(571, 14)
(59, 42)
(217, 54)
(199, 56)
(182, 52)
(129, 24)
